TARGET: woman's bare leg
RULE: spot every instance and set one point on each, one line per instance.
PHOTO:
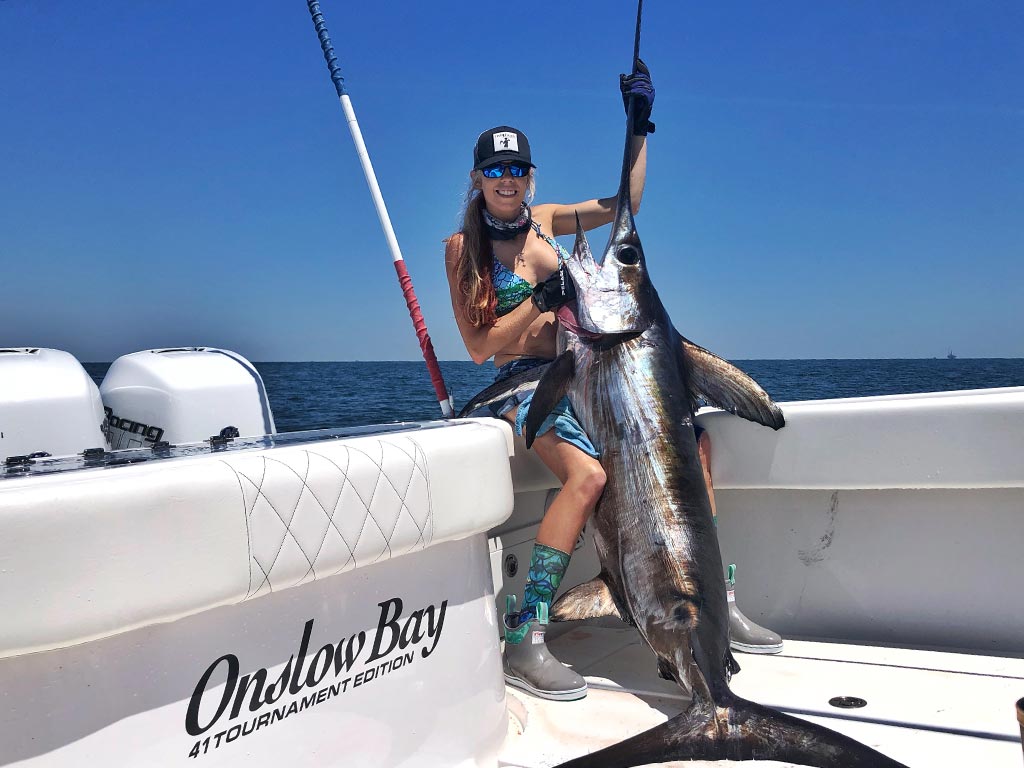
(583, 481)
(704, 451)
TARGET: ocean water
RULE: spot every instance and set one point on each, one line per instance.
(344, 394)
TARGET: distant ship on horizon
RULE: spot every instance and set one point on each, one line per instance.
(951, 356)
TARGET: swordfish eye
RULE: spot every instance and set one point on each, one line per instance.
(628, 255)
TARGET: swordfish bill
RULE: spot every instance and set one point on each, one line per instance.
(634, 382)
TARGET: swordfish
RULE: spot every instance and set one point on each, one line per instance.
(635, 383)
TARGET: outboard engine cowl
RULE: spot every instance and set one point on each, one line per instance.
(48, 404)
(183, 395)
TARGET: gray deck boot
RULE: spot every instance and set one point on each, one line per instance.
(529, 664)
(744, 635)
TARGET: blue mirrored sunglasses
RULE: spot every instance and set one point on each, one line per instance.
(496, 171)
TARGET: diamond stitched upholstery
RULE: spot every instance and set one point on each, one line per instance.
(315, 512)
(162, 540)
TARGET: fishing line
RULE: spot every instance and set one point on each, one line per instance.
(636, 37)
(426, 347)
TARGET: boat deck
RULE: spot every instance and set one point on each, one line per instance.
(924, 708)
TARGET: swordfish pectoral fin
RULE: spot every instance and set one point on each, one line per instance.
(590, 600)
(550, 390)
(502, 390)
(725, 386)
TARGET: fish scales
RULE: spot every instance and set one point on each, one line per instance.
(661, 459)
(633, 397)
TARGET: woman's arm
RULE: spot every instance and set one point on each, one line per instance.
(595, 213)
(484, 342)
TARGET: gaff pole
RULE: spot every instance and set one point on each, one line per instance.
(382, 212)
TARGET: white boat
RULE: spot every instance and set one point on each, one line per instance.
(328, 598)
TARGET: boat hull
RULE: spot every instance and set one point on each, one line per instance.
(328, 600)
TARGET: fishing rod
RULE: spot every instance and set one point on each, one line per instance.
(426, 347)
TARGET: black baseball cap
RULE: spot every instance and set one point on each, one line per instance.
(503, 144)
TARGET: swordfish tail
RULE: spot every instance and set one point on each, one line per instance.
(739, 730)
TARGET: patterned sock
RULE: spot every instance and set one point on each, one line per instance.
(547, 567)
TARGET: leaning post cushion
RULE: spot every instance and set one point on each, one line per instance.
(96, 552)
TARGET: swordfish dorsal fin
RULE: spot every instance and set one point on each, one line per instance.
(520, 383)
(725, 386)
(550, 390)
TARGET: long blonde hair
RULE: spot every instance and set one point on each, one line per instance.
(475, 262)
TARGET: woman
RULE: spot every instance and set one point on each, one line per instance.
(505, 281)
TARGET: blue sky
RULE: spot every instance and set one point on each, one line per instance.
(826, 180)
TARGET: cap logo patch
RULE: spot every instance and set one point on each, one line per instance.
(505, 141)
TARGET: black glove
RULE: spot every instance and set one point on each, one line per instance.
(557, 290)
(638, 86)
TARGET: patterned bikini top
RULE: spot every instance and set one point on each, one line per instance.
(513, 290)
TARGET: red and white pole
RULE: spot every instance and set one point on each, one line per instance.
(426, 347)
